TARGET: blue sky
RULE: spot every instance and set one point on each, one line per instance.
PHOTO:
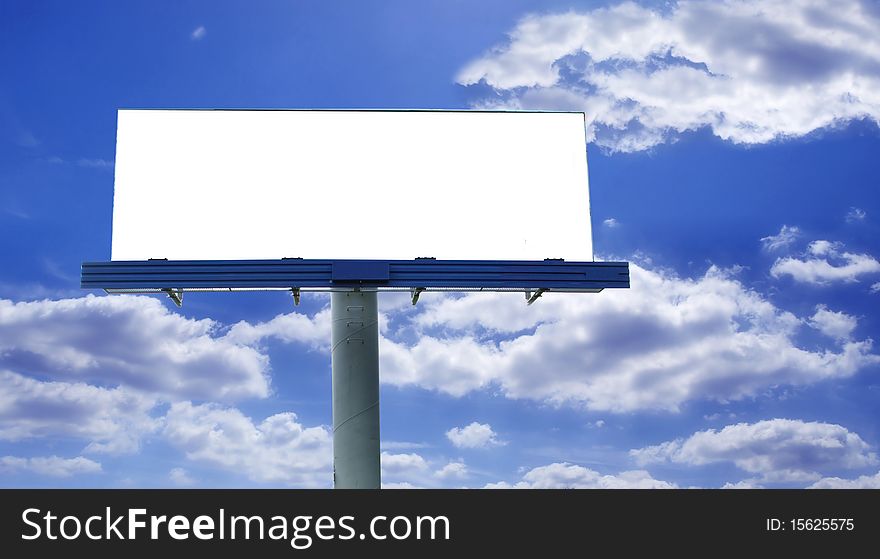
(733, 160)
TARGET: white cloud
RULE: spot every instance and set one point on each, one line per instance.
(198, 33)
(397, 464)
(855, 215)
(105, 363)
(744, 484)
(399, 485)
(611, 223)
(824, 264)
(475, 435)
(785, 238)
(180, 477)
(752, 71)
(875, 288)
(452, 470)
(292, 327)
(823, 248)
(135, 342)
(861, 482)
(570, 476)
(405, 470)
(277, 450)
(658, 345)
(837, 325)
(110, 420)
(777, 449)
(50, 466)
(455, 366)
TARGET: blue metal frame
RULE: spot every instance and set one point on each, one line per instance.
(422, 273)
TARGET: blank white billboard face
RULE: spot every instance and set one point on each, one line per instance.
(230, 185)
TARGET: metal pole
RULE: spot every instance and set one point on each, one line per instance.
(355, 364)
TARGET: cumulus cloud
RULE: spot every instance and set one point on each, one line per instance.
(570, 476)
(824, 263)
(291, 327)
(96, 369)
(662, 343)
(109, 420)
(744, 484)
(475, 435)
(777, 449)
(751, 71)
(198, 33)
(396, 464)
(53, 466)
(399, 485)
(861, 482)
(875, 288)
(452, 470)
(277, 450)
(180, 477)
(837, 325)
(785, 238)
(405, 471)
(456, 365)
(135, 342)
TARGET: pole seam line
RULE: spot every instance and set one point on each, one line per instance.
(348, 336)
(363, 411)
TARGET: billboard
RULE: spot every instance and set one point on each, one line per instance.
(350, 184)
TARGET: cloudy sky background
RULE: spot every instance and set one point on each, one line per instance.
(733, 160)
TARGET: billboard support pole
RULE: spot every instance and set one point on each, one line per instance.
(355, 370)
